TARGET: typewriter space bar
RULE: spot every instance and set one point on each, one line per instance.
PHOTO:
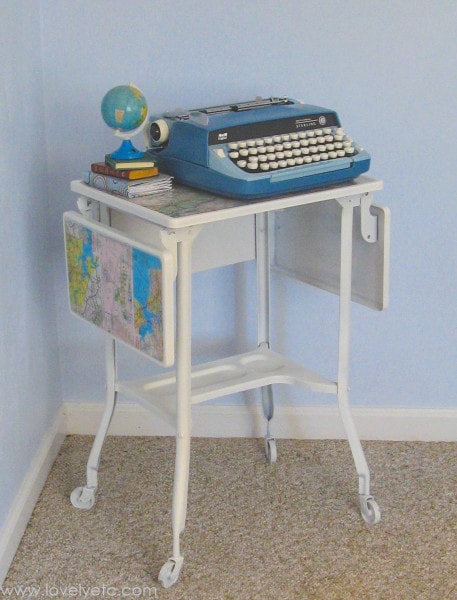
(316, 169)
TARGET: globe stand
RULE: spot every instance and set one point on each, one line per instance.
(126, 151)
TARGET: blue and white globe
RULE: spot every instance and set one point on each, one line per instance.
(124, 109)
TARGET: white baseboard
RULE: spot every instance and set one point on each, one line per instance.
(394, 424)
(29, 492)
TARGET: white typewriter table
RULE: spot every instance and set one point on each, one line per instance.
(174, 221)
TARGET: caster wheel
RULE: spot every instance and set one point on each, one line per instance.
(270, 450)
(370, 510)
(83, 497)
(170, 571)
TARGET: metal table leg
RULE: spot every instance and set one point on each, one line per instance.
(169, 573)
(369, 508)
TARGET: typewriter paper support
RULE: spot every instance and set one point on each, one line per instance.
(318, 238)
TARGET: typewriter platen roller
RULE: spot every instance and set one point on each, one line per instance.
(257, 149)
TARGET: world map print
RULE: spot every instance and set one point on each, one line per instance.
(116, 287)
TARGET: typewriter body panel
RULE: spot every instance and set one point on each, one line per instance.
(256, 149)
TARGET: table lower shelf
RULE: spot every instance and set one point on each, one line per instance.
(222, 377)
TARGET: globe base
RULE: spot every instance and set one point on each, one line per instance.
(126, 151)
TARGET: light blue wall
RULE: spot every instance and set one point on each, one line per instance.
(387, 67)
(29, 370)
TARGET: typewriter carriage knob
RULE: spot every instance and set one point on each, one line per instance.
(158, 133)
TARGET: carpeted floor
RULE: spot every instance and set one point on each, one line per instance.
(292, 530)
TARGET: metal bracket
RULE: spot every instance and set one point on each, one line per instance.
(368, 221)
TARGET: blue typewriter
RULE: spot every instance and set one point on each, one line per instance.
(257, 149)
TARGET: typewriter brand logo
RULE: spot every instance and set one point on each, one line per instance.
(322, 120)
(222, 136)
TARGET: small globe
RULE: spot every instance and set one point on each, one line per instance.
(124, 108)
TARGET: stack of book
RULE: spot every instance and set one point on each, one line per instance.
(129, 178)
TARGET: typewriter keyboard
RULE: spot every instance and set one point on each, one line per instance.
(291, 149)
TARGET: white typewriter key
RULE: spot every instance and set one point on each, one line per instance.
(291, 162)
(311, 134)
(338, 145)
(265, 166)
(295, 144)
(270, 148)
(271, 156)
(316, 157)
(259, 142)
(268, 140)
(329, 138)
(282, 163)
(262, 158)
(330, 146)
(250, 143)
(285, 137)
(338, 138)
(296, 152)
(277, 139)
(327, 130)
(242, 144)
(305, 151)
(321, 139)
(341, 153)
(279, 155)
(287, 153)
(313, 150)
(253, 151)
(302, 135)
(318, 131)
(274, 165)
(234, 154)
(304, 143)
(242, 164)
(244, 152)
(294, 136)
(299, 160)
(332, 154)
(324, 156)
(313, 142)
(347, 144)
(261, 150)
(233, 145)
(252, 166)
(339, 131)
(279, 147)
(321, 148)
(350, 150)
(287, 145)
(307, 159)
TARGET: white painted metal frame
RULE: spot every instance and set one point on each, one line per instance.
(173, 395)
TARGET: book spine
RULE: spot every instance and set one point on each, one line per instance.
(107, 183)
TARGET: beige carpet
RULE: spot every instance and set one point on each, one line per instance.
(292, 530)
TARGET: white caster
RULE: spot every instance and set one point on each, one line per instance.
(83, 497)
(370, 509)
(170, 571)
(270, 450)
